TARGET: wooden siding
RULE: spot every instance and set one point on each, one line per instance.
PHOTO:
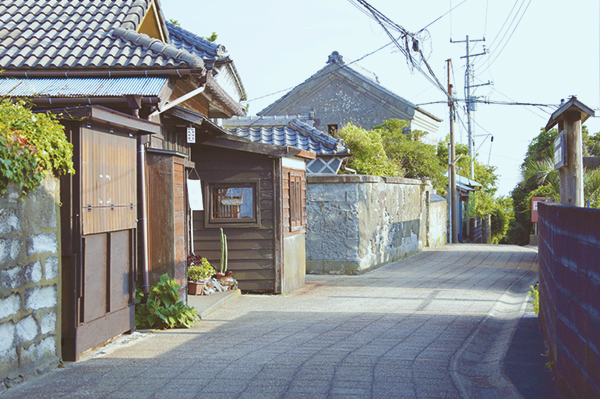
(108, 180)
(251, 249)
(180, 220)
(290, 228)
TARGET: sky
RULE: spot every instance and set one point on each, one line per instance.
(538, 51)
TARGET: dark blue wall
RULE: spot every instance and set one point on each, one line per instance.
(569, 269)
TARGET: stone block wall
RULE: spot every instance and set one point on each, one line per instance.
(29, 283)
(569, 272)
(356, 222)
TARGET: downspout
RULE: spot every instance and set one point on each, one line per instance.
(135, 106)
(144, 216)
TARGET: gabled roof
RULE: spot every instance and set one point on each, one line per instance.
(573, 105)
(286, 132)
(336, 66)
(85, 35)
(213, 54)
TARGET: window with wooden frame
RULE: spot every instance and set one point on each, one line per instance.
(232, 203)
(295, 201)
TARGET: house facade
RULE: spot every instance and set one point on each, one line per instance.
(129, 88)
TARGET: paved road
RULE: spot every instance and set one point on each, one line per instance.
(435, 325)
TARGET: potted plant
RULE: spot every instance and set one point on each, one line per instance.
(198, 273)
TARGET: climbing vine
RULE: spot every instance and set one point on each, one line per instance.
(31, 147)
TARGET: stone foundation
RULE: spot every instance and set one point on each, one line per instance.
(29, 283)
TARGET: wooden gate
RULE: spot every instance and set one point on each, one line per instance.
(99, 217)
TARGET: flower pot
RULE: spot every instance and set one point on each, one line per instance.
(195, 288)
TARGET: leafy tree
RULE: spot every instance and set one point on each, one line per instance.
(368, 153)
(482, 202)
(405, 148)
(541, 180)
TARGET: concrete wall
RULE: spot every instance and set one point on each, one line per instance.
(438, 223)
(294, 254)
(29, 283)
(360, 222)
(569, 271)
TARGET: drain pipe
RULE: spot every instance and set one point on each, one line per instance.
(135, 105)
(144, 216)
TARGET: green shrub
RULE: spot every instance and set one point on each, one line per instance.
(200, 271)
(162, 308)
(31, 146)
(534, 294)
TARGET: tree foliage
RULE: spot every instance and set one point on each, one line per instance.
(368, 152)
(31, 146)
(404, 147)
(539, 179)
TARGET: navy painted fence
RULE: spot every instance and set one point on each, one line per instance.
(569, 270)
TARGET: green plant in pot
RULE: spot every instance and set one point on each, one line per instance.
(198, 273)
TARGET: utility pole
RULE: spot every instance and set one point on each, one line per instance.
(470, 100)
(453, 201)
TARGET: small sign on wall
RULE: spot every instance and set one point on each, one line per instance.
(191, 134)
(534, 207)
(560, 150)
(195, 195)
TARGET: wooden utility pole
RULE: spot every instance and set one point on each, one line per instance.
(568, 149)
(452, 168)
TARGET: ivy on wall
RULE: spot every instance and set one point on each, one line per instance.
(31, 147)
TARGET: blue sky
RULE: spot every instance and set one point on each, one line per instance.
(553, 53)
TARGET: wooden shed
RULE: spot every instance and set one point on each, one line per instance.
(257, 193)
(99, 217)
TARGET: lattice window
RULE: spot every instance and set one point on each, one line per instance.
(295, 201)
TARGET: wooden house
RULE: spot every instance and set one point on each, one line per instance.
(341, 93)
(137, 83)
(255, 192)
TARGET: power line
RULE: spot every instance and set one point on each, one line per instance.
(441, 16)
(320, 77)
(497, 54)
(410, 42)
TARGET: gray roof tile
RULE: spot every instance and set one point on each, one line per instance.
(106, 27)
(294, 133)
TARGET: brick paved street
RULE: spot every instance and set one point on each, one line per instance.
(435, 325)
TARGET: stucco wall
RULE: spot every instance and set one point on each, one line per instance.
(360, 222)
(29, 283)
(294, 253)
(438, 223)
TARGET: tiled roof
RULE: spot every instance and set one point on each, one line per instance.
(336, 65)
(294, 133)
(69, 87)
(67, 34)
(196, 45)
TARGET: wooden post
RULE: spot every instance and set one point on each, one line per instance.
(569, 117)
(452, 169)
(574, 170)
